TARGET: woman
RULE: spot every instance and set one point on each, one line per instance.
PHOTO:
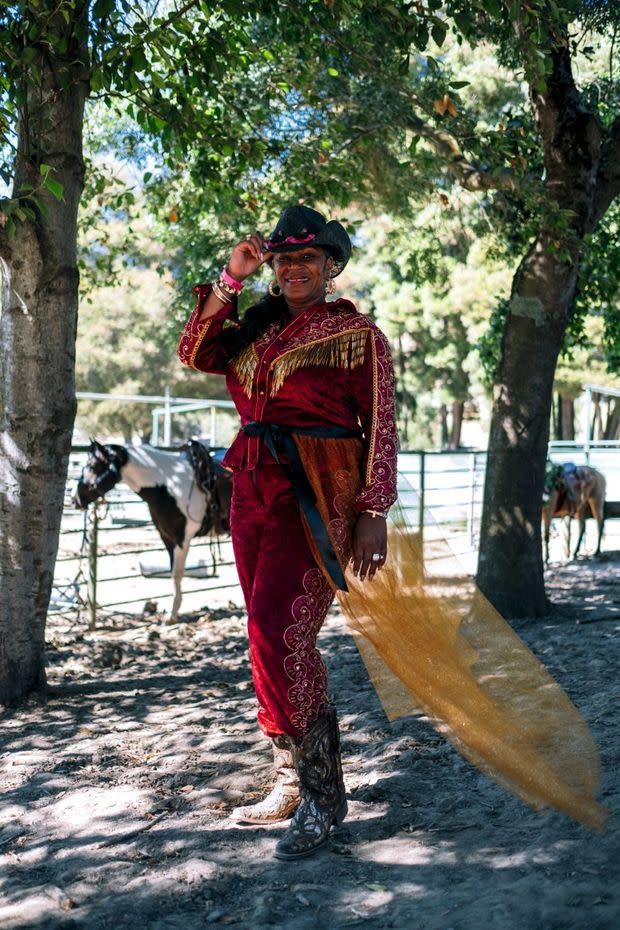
(314, 474)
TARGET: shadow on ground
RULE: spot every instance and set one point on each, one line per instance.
(116, 792)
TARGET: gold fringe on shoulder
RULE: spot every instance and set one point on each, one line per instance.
(244, 366)
(345, 350)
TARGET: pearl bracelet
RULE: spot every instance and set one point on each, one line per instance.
(375, 513)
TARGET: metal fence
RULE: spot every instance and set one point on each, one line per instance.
(112, 558)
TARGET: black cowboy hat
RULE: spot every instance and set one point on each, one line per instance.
(301, 226)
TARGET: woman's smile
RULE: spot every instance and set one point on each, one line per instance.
(301, 276)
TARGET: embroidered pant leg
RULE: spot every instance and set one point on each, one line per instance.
(287, 598)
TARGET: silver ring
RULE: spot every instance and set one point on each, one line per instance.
(377, 557)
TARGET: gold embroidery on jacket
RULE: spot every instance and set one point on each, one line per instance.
(198, 343)
(372, 439)
(343, 351)
(244, 366)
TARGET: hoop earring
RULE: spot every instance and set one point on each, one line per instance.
(330, 287)
(274, 289)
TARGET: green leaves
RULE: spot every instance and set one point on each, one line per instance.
(16, 210)
(241, 106)
(464, 23)
(103, 8)
(29, 54)
(439, 31)
(493, 7)
(53, 186)
(421, 37)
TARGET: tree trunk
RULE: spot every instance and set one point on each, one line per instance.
(596, 429)
(403, 399)
(612, 423)
(37, 340)
(510, 568)
(443, 427)
(458, 407)
(566, 417)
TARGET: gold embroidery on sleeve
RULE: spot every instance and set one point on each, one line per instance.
(375, 411)
(197, 344)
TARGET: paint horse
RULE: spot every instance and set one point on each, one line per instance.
(573, 491)
(187, 492)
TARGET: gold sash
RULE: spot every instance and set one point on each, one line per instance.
(431, 641)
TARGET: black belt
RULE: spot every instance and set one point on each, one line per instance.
(279, 440)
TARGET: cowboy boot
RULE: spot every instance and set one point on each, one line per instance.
(323, 803)
(283, 799)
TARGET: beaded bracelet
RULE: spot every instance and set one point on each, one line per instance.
(226, 287)
(220, 293)
(227, 278)
(224, 291)
(375, 513)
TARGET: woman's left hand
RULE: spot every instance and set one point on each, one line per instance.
(369, 538)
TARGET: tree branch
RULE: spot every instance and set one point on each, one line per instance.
(163, 25)
(608, 178)
(470, 176)
(572, 138)
(559, 113)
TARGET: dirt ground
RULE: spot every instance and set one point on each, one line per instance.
(115, 793)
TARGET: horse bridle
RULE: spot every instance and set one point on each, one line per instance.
(108, 479)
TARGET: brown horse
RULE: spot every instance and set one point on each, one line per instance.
(574, 491)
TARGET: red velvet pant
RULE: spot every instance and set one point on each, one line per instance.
(287, 598)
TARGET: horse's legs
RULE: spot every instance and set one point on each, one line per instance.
(568, 524)
(598, 514)
(582, 529)
(601, 527)
(178, 568)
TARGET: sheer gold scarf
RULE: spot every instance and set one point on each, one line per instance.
(432, 642)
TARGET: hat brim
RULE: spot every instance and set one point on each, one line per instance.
(333, 237)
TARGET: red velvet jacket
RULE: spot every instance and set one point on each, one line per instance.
(330, 366)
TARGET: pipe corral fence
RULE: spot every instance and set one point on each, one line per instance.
(111, 558)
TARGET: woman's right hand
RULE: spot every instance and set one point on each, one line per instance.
(247, 256)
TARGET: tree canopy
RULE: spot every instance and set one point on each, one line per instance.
(442, 130)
